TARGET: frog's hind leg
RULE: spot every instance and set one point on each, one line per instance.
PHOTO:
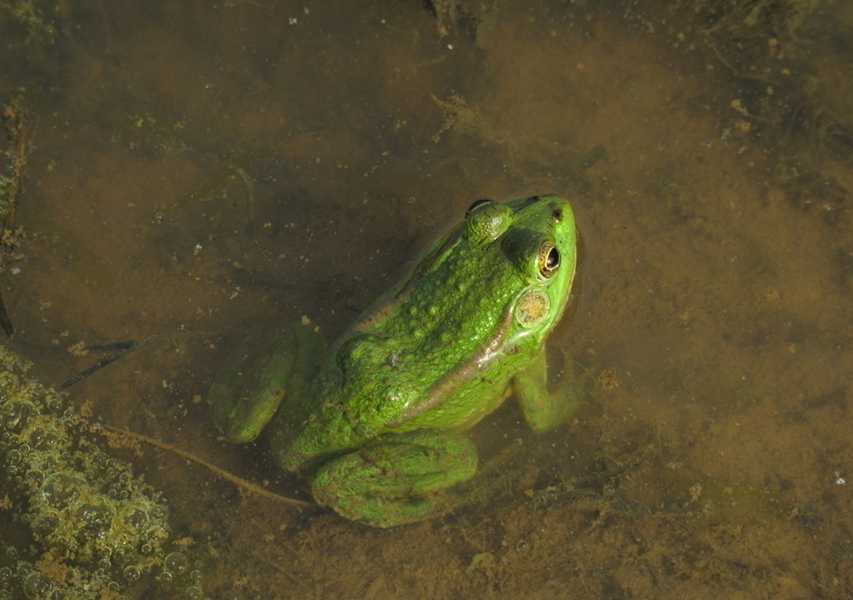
(245, 397)
(397, 480)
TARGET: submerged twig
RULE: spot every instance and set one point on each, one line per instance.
(5, 321)
(122, 348)
(119, 349)
(238, 481)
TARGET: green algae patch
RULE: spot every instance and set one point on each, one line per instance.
(98, 528)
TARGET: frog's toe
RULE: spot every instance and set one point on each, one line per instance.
(245, 397)
(239, 416)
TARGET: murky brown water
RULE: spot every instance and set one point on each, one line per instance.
(202, 170)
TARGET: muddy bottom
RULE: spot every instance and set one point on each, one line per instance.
(204, 172)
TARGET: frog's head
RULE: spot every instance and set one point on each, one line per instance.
(537, 237)
(493, 286)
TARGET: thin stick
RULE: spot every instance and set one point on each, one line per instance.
(102, 362)
(5, 321)
(238, 481)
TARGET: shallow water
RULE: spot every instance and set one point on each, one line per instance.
(201, 171)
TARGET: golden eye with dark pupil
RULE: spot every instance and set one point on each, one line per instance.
(549, 259)
(477, 204)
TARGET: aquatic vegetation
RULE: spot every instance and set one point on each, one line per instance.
(14, 153)
(446, 13)
(99, 528)
(755, 17)
(7, 187)
(35, 19)
(456, 17)
(15, 144)
(767, 44)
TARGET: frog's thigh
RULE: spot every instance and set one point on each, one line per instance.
(397, 480)
(245, 397)
(545, 409)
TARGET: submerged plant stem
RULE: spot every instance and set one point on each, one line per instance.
(238, 481)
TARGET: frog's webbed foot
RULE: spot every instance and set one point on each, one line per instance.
(245, 397)
(397, 480)
(545, 408)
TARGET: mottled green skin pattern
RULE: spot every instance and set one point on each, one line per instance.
(378, 418)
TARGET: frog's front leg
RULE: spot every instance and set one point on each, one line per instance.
(398, 479)
(245, 397)
(545, 409)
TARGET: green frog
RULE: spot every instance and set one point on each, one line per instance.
(377, 421)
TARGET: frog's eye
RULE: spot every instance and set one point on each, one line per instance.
(549, 259)
(476, 204)
(486, 221)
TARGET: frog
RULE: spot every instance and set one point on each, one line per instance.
(378, 421)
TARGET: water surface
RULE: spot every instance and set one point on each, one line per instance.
(204, 170)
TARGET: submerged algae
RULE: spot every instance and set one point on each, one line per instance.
(36, 21)
(98, 527)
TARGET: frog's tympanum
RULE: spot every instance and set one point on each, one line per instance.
(377, 421)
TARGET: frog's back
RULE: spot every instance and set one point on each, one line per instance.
(412, 368)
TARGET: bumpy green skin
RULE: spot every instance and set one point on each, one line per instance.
(378, 418)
